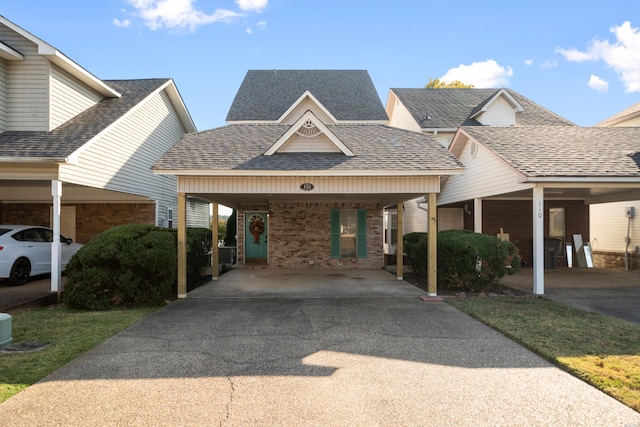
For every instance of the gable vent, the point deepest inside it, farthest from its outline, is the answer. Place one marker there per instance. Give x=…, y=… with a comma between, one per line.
x=308, y=129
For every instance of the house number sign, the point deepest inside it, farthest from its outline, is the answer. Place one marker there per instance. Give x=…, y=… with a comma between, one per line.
x=307, y=186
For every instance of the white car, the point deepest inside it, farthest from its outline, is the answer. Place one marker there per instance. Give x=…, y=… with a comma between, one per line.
x=25, y=251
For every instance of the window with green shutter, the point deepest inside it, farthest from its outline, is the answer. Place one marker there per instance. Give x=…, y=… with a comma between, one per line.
x=348, y=233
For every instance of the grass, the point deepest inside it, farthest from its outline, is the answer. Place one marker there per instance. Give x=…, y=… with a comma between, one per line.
x=601, y=350
x=70, y=332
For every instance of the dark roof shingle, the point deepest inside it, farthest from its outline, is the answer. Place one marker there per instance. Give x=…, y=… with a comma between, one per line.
x=265, y=95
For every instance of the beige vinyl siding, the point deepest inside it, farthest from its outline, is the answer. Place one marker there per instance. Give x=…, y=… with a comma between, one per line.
x=499, y=113
x=306, y=105
x=608, y=226
x=3, y=95
x=27, y=86
x=485, y=175
x=70, y=194
x=399, y=116
x=415, y=216
x=121, y=159
x=322, y=185
x=197, y=213
x=69, y=97
x=316, y=144
x=633, y=122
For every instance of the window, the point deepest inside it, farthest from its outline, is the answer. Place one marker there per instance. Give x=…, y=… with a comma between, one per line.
x=348, y=233
x=556, y=226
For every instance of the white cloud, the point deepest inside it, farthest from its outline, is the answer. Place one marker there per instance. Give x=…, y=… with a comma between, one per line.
x=122, y=24
x=486, y=74
x=623, y=56
x=249, y=31
x=261, y=24
x=528, y=61
x=177, y=14
x=252, y=5
x=548, y=64
x=597, y=84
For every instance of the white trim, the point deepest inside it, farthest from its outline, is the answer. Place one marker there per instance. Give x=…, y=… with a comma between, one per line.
x=339, y=122
x=307, y=173
x=299, y=101
x=9, y=53
x=501, y=93
x=321, y=126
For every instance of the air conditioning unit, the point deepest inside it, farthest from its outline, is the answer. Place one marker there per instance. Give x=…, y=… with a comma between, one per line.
x=5, y=330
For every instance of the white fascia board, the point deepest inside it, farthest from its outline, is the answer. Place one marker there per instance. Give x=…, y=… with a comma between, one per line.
x=7, y=159
x=350, y=173
x=9, y=53
x=436, y=130
x=586, y=181
x=294, y=128
x=306, y=94
x=62, y=61
x=501, y=93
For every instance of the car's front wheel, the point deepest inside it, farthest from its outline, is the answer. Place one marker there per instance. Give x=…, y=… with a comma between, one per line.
x=20, y=272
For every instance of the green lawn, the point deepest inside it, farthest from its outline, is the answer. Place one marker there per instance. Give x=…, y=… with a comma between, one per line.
x=601, y=350
x=70, y=333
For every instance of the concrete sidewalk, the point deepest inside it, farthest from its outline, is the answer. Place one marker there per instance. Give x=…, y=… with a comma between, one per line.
x=311, y=361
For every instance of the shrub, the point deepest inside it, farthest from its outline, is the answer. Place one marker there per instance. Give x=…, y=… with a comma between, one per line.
x=415, y=247
x=132, y=265
x=469, y=261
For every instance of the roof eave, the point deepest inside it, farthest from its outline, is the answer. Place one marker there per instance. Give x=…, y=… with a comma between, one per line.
x=353, y=172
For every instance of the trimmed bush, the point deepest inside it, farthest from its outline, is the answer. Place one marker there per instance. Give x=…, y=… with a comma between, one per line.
x=467, y=261
x=132, y=265
x=472, y=262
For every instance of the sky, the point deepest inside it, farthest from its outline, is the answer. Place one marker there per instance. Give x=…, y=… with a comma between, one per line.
x=580, y=60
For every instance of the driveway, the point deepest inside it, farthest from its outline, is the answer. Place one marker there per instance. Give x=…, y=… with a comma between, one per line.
x=289, y=361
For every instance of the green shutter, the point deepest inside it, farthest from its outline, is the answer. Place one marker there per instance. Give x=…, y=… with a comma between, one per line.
x=335, y=233
x=361, y=243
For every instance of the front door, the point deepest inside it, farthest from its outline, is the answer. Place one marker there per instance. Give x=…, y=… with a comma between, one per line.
x=256, y=232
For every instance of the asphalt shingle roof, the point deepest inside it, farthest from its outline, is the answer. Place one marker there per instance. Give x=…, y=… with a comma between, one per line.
x=241, y=147
x=450, y=108
x=265, y=95
x=67, y=138
x=564, y=151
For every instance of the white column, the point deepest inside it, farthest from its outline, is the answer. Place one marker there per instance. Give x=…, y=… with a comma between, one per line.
x=399, y=242
x=432, y=239
x=477, y=215
x=538, y=240
x=56, y=249
x=215, y=251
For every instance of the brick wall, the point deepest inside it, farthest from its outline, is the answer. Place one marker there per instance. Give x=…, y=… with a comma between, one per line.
x=615, y=260
x=91, y=218
x=300, y=236
x=516, y=218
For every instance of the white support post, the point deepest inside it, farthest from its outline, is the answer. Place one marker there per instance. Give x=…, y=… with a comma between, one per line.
x=432, y=239
x=477, y=215
x=400, y=242
x=538, y=240
x=56, y=249
x=182, y=245
x=215, y=251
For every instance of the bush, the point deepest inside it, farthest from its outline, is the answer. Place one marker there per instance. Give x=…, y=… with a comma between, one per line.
x=415, y=247
x=132, y=265
x=472, y=262
x=467, y=261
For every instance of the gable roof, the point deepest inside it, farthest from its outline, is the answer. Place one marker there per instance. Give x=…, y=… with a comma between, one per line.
x=450, y=108
x=626, y=114
x=563, y=152
x=59, y=144
x=238, y=149
x=265, y=95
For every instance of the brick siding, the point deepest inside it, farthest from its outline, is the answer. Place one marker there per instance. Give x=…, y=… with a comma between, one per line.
x=300, y=236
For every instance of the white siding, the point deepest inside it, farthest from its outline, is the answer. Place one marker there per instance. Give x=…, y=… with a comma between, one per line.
x=197, y=213
x=445, y=138
x=3, y=95
x=69, y=97
x=27, y=86
x=499, y=113
x=415, y=216
x=121, y=159
x=608, y=226
x=485, y=175
x=302, y=144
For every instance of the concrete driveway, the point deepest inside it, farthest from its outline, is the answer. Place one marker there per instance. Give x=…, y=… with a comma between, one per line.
x=614, y=293
x=288, y=361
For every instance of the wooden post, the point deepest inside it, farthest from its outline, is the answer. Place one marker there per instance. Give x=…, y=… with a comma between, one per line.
x=400, y=241
x=432, y=259
x=215, y=256
x=182, y=245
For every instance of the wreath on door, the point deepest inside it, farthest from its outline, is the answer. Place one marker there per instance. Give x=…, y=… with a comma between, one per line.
x=256, y=227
